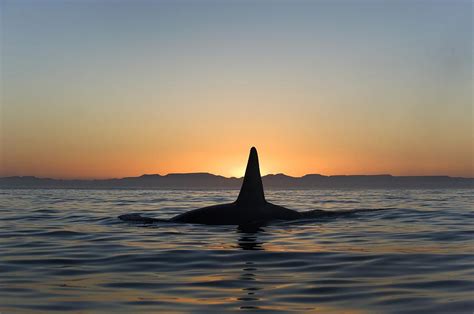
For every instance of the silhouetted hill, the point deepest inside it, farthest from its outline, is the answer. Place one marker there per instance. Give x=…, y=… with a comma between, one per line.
x=211, y=181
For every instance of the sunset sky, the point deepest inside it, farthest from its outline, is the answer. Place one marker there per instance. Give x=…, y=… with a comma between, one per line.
x=100, y=89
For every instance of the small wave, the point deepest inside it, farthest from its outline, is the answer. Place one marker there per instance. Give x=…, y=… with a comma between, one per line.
x=60, y=233
x=318, y=213
x=336, y=202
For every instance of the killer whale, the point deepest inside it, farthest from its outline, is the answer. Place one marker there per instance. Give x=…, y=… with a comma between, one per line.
x=249, y=208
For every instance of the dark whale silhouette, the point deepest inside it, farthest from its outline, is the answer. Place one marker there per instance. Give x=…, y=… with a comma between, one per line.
x=250, y=208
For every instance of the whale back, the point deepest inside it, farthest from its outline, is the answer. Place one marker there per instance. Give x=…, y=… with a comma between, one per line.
x=251, y=192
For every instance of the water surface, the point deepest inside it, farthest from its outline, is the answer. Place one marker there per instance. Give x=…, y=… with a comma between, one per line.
x=65, y=251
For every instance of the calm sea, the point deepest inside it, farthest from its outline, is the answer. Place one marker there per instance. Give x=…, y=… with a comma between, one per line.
x=65, y=251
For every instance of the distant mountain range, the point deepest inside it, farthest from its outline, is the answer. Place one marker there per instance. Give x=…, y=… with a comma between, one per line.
x=211, y=181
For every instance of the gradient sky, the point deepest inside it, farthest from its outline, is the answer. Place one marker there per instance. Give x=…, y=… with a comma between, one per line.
x=98, y=89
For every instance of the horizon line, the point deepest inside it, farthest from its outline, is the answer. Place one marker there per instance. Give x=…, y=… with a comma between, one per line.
x=231, y=177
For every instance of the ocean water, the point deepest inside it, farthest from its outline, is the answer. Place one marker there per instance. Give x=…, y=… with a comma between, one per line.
x=66, y=251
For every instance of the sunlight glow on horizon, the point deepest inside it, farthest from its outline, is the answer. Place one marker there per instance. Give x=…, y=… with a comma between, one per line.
x=95, y=90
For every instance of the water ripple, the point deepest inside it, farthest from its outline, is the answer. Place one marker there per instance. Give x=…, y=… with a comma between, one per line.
x=401, y=251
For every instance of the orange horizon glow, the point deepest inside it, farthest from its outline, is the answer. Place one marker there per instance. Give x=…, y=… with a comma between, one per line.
x=317, y=87
x=227, y=164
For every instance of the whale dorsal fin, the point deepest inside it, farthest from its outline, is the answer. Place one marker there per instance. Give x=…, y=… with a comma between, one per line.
x=251, y=191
